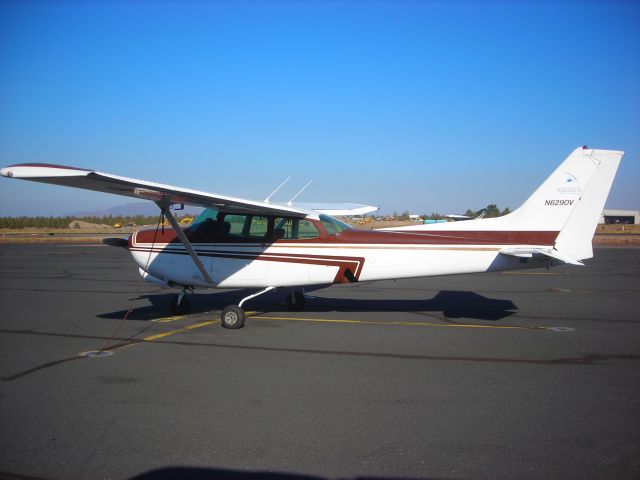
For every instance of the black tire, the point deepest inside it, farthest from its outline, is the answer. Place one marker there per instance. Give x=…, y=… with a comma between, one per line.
x=296, y=301
x=232, y=317
x=181, y=309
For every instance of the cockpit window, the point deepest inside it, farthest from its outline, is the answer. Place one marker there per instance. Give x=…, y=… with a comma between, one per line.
x=288, y=228
x=212, y=225
x=332, y=225
x=211, y=213
x=205, y=222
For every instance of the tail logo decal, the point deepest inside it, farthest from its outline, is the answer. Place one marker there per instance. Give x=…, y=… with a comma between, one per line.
x=569, y=185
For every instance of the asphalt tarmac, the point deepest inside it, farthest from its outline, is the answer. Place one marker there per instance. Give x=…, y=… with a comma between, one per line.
x=495, y=376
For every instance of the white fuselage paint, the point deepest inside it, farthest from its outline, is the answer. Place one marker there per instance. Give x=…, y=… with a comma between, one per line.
x=299, y=265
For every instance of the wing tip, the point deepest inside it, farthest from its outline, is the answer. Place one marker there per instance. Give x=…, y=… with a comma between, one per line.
x=31, y=170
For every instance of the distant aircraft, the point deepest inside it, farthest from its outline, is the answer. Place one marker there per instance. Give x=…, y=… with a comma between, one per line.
x=456, y=217
x=258, y=244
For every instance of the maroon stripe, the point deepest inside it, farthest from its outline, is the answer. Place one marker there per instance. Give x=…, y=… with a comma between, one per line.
x=353, y=264
x=441, y=237
x=450, y=237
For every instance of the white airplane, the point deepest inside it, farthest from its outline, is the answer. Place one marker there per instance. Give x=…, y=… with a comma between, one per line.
x=239, y=243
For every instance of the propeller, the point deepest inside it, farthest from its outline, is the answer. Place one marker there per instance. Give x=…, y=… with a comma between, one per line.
x=116, y=242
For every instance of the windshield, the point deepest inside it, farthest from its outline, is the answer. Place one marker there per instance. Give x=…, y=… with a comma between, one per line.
x=332, y=225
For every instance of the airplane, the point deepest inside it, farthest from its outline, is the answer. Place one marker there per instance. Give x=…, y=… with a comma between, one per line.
x=240, y=243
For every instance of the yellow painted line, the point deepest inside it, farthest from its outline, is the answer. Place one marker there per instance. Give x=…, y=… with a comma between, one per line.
x=179, y=330
x=409, y=324
x=168, y=319
x=201, y=324
x=158, y=336
x=530, y=273
x=161, y=335
x=179, y=317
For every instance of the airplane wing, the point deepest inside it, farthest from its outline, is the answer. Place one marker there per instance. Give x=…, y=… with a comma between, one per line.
x=338, y=209
x=131, y=187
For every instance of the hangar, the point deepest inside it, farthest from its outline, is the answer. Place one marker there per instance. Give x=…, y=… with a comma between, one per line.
x=625, y=217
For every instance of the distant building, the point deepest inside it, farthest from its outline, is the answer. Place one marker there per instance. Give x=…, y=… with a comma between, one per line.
x=414, y=218
x=625, y=217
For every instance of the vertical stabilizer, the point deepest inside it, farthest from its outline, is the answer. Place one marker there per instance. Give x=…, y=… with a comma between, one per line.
x=551, y=205
x=570, y=201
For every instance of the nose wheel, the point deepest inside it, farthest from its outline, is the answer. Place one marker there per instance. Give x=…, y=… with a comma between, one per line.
x=180, y=304
x=295, y=301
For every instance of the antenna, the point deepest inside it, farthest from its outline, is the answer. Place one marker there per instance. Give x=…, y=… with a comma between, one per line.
x=266, y=200
x=290, y=202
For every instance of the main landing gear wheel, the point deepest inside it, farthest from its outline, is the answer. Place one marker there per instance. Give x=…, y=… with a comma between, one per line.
x=232, y=317
x=296, y=301
x=181, y=308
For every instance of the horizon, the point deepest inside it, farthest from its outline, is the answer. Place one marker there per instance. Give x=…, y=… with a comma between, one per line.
x=148, y=208
x=418, y=106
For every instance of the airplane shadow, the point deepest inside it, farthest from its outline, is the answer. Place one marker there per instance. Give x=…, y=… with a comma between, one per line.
x=452, y=304
x=199, y=473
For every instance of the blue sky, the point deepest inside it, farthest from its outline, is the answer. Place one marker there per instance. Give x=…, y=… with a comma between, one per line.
x=420, y=106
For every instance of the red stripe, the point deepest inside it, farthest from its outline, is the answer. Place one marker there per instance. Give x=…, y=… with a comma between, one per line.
x=441, y=237
x=354, y=264
x=451, y=237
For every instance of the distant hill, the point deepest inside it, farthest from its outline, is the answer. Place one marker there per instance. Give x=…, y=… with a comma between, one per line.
x=131, y=209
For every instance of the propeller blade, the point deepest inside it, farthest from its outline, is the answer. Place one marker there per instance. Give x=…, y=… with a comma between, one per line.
x=116, y=242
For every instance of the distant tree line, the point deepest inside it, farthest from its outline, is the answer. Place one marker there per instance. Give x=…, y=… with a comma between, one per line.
x=65, y=222
x=489, y=211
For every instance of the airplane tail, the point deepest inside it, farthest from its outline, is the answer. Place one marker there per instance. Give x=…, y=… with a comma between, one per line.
x=570, y=201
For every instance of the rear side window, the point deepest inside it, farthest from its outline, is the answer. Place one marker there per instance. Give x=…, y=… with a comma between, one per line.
x=332, y=225
x=306, y=229
x=259, y=226
x=294, y=229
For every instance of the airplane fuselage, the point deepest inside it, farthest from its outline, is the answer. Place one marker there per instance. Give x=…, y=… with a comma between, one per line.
x=344, y=257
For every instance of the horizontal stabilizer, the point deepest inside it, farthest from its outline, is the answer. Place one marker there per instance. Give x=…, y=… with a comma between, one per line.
x=547, y=252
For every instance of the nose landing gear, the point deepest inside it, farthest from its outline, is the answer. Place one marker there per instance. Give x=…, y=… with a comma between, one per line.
x=296, y=301
x=180, y=304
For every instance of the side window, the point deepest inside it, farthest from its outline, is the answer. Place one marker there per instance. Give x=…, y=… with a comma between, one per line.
x=332, y=225
x=294, y=229
x=247, y=226
x=306, y=229
x=236, y=224
x=259, y=226
x=283, y=228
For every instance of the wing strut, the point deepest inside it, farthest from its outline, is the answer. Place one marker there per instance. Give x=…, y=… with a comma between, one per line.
x=166, y=211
